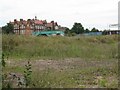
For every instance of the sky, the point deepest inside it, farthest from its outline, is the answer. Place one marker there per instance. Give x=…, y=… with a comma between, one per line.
x=90, y=13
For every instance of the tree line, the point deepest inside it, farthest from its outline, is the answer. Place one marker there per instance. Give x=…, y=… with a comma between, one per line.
x=7, y=29
x=79, y=29
x=76, y=29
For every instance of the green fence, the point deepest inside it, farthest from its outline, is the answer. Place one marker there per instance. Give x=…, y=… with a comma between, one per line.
x=48, y=33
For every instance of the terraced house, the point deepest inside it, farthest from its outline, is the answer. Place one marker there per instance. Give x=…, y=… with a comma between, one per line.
x=29, y=26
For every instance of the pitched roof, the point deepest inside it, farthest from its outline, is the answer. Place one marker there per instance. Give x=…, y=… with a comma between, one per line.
x=38, y=22
x=49, y=24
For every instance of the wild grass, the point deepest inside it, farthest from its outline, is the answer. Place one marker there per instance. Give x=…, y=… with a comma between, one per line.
x=64, y=62
x=80, y=74
x=22, y=47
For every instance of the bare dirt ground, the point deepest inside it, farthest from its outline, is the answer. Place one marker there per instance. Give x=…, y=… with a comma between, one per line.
x=69, y=65
x=63, y=64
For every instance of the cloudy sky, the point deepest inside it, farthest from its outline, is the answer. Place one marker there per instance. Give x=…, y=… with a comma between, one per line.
x=91, y=13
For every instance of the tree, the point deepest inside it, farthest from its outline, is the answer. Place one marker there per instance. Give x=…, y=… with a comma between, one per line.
x=94, y=30
x=67, y=30
x=104, y=32
x=77, y=28
x=8, y=28
x=87, y=30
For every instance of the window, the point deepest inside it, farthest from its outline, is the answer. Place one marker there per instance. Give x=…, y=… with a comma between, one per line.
x=16, y=26
x=23, y=31
x=36, y=26
x=31, y=27
x=40, y=27
x=22, y=26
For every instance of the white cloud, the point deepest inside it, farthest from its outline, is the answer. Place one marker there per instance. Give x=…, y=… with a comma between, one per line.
x=91, y=13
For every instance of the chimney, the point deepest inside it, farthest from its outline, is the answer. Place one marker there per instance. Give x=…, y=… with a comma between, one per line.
x=53, y=27
x=21, y=20
x=15, y=20
x=29, y=20
x=45, y=22
x=35, y=17
x=56, y=24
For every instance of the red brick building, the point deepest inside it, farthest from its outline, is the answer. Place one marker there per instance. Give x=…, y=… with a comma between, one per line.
x=34, y=25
